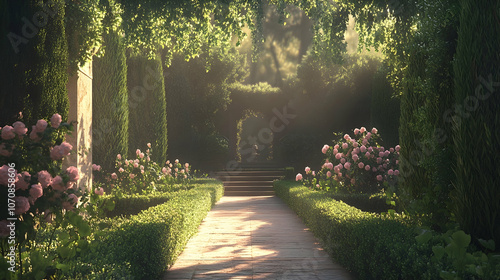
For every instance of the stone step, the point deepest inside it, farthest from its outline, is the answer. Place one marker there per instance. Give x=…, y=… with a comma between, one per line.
x=249, y=173
x=229, y=178
x=248, y=183
x=248, y=188
x=249, y=193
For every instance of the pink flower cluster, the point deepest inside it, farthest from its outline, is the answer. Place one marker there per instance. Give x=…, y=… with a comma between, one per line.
x=55, y=191
x=358, y=164
x=142, y=174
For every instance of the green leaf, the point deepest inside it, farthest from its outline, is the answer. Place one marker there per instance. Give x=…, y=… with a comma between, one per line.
x=424, y=237
x=490, y=244
x=438, y=251
x=64, y=251
x=63, y=267
x=461, y=239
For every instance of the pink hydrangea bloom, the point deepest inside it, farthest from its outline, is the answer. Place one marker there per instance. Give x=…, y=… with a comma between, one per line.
x=96, y=167
x=356, y=131
x=308, y=169
x=132, y=176
x=355, y=157
x=99, y=191
x=325, y=149
x=176, y=161
x=119, y=157
x=23, y=181
x=55, y=120
x=379, y=160
x=347, y=137
x=114, y=176
x=73, y=173
x=379, y=178
x=361, y=165
x=362, y=148
x=367, y=167
x=44, y=178
x=362, y=129
x=374, y=130
x=367, y=155
x=365, y=141
x=355, y=144
x=20, y=128
x=298, y=177
x=390, y=172
x=329, y=165
x=36, y=191
x=41, y=125
x=336, y=146
x=22, y=205
x=335, y=151
x=345, y=146
x=397, y=148
x=8, y=132
x=347, y=165
x=342, y=160
x=374, y=169
x=328, y=174
x=137, y=152
x=391, y=150
x=164, y=170
x=58, y=184
x=121, y=170
x=141, y=155
x=338, y=155
x=396, y=172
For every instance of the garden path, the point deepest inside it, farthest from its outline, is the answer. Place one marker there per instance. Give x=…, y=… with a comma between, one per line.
x=254, y=237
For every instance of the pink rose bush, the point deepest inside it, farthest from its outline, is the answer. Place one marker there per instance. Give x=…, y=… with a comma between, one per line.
x=31, y=172
x=357, y=164
x=142, y=175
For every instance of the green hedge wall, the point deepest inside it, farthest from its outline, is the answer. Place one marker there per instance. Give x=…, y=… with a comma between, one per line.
x=147, y=106
x=33, y=72
x=476, y=136
x=110, y=110
x=364, y=243
x=146, y=244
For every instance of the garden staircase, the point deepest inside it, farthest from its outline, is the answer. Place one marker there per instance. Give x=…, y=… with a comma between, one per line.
x=250, y=180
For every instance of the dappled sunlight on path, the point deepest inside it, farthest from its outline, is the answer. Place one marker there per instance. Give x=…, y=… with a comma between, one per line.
x=254, y=238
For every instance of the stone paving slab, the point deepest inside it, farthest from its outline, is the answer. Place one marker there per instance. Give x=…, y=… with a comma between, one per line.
x=254, y=237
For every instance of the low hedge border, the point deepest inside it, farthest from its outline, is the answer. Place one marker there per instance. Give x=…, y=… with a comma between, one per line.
x=145, y=245
x=366, y=202
x=370, y=246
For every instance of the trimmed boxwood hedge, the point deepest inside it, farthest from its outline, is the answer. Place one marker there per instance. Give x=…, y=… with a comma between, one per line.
x=366, y=202
x=145, y=245
x=370, y=246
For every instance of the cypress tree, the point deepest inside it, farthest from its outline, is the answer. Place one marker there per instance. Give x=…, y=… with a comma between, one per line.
x=476, y=122
x=110, y=103
x=147, y=106
x=34, y=66
x=47, y=76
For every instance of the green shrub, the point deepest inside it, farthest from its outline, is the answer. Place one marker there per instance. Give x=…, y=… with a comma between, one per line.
x=110, y=110
x=147, y=106
x=148, y=243
x=384, y=247
x=133, y=204
x=370, y=246
x=369, y=203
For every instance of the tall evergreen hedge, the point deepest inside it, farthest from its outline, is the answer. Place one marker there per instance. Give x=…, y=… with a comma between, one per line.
x=385, y=109
x=147, y=106
x=110, y=112
x=476, y=125
x=34, y=75
x=427, y=156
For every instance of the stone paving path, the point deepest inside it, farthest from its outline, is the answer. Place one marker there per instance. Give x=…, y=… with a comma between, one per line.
x=254, y=237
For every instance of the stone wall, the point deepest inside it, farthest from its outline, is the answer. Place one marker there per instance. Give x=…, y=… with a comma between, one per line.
x=80, y=113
